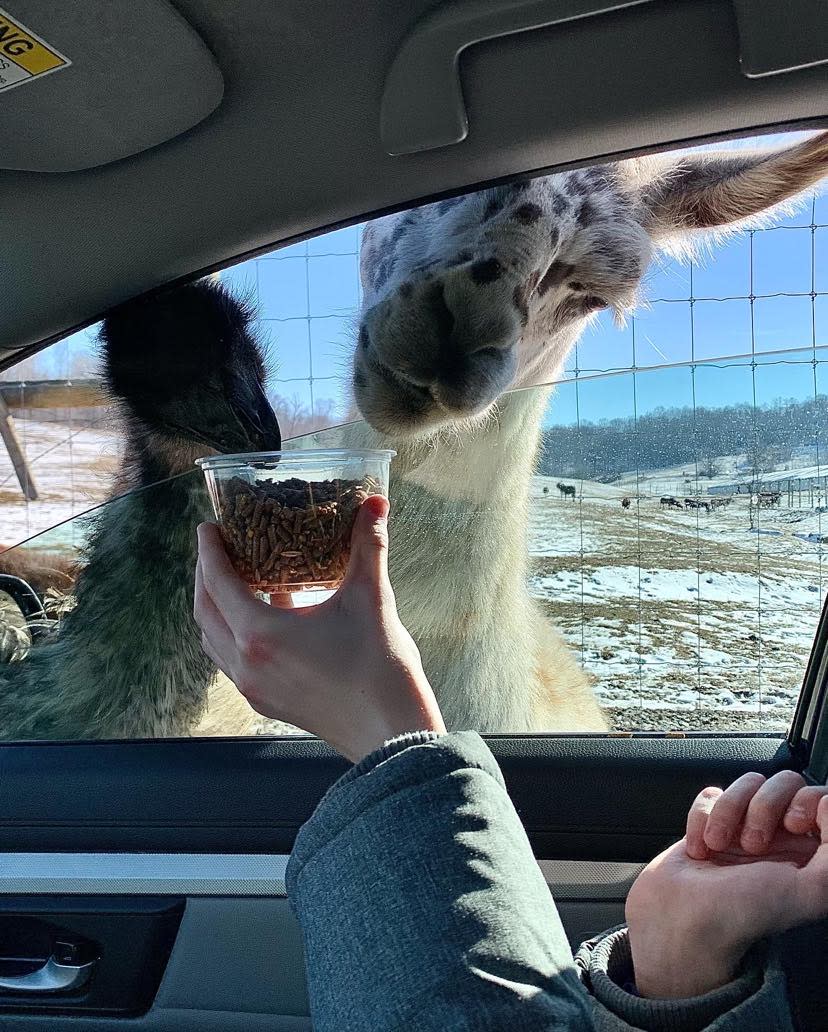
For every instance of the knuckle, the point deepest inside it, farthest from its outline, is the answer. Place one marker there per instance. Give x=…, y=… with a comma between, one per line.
x=761, y=812
x=726, y=809
x=377, y=538
x=718, y=826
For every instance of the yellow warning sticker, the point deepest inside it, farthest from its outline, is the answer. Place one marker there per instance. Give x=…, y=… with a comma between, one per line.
x=24, y=56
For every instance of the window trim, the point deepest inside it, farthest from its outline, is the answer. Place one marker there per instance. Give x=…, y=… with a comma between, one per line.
x=808, y=737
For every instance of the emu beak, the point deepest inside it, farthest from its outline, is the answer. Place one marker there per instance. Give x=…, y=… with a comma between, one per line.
x=260, y=423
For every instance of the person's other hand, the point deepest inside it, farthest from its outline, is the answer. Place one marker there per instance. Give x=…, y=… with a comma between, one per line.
x=346, y=669
x=754, y=862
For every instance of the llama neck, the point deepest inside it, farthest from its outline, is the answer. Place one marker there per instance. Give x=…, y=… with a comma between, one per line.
x=459, y=514
x=458, y=565
x=468, y=491
x=128, y=660
x=488, y=465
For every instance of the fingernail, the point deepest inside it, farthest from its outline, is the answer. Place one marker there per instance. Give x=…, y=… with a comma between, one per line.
x=796, y=814
x=716, y=838
x=381, y=508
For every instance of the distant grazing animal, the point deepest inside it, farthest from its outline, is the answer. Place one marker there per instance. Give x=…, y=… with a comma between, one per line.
x=768, y=499
x=567, y=490
x=719, y=502
x=668, y=502
x=625, y=503
x=697, y=503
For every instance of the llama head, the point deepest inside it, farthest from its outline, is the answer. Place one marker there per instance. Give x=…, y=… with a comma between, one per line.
x=470, y=297
x=189, y=374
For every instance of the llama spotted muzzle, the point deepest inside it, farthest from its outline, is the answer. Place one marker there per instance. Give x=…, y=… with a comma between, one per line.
x=431, y=353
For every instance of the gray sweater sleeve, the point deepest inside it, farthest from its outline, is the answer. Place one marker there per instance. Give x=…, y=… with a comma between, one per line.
x=422, y=907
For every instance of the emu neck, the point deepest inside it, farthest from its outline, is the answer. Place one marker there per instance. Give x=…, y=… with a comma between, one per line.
x=128, y=661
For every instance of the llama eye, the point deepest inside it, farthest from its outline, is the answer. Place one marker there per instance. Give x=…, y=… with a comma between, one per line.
x=590, y=303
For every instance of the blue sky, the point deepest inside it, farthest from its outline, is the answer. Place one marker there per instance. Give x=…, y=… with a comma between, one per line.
x=308, y=295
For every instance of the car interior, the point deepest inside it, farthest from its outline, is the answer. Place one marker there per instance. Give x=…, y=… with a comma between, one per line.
x=153, y=144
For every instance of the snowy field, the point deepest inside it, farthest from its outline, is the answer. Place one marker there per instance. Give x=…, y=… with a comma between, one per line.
x=72, y=468
x=685, y=619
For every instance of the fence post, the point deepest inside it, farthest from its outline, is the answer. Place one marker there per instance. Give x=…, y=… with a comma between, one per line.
x=21, y=466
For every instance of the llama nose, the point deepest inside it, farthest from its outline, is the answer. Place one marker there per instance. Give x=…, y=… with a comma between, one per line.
x=441, y=340
x=472, y=381
x=477, y=357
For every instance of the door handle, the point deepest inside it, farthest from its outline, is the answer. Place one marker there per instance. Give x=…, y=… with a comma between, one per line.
x=52, y=977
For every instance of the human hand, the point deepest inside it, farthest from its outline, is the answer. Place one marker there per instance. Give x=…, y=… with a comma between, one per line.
x=754, y=862
x=346, y=669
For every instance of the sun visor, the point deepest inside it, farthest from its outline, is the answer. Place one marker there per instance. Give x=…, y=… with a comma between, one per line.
x=89, y=82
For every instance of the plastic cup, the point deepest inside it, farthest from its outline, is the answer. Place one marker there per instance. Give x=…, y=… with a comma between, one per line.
x=286, y=517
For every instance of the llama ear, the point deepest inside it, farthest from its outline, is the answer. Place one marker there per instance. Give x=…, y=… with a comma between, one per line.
x=715, y=190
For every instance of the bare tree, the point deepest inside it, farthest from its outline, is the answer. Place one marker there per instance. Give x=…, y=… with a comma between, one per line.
x=296, y=418
x=708, y=467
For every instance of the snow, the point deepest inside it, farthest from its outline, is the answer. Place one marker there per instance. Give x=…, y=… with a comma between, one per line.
x=643, y=583
x=72, y=470
x=675, y=610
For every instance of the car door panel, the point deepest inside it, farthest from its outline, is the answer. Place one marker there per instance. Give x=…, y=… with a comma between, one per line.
x=186, y=822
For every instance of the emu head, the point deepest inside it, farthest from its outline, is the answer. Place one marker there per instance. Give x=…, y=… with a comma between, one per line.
x=469, y=297
x=189, y=373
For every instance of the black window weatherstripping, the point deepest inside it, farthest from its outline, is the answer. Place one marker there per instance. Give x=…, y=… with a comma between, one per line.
x=809, y=730
x=580, y=796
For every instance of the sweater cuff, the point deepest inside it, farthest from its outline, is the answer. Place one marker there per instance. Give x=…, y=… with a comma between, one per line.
x=610, y=968
x=387, y=750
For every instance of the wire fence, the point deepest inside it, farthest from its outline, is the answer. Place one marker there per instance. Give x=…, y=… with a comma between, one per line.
x=744, y=652
x=746, y=327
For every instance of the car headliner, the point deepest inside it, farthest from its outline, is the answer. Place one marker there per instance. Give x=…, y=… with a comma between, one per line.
x=294, y=146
